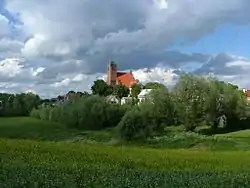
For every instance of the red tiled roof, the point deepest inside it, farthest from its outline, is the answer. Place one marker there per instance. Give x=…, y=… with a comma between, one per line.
x=248, y=93
x=126, y=78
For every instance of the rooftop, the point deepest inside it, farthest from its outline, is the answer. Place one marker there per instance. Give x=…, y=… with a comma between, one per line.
x=126, y=78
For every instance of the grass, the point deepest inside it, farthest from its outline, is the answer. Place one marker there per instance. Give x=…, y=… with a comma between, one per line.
x=28, y=128
x=43, y=154
x=33, y=129
x=35, y=164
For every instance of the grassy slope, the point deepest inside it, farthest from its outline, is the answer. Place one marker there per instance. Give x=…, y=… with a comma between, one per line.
x=45, y=163
x=175, y=138
x=33, y=129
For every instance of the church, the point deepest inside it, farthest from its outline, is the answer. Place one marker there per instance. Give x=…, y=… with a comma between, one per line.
x=114, y=77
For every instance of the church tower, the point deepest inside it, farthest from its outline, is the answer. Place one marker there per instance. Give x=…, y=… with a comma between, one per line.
x=112, y=74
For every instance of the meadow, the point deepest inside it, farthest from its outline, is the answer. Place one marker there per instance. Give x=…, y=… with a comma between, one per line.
x=37, y=153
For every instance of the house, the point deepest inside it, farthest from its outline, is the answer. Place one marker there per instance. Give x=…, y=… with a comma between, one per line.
x=247, y=92
x=125, y=100
x=114, y=77
x=112, y=99
x=144, y=94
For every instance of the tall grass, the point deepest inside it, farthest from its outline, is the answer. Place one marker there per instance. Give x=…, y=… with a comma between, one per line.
x=36, y=164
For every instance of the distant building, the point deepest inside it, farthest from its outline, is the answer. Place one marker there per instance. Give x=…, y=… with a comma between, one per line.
x=114, y=77
x=144, y=94
x=125, y=100
x=247, y=92
x=113, y=99
x=70, y=96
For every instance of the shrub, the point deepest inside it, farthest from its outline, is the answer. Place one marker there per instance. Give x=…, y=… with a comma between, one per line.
x=114, y=114
x=139, y=123
x=44, y=113
x=35, y=113
x=163, y=107
x=55, y=114
x=91, y=113
x=95, y=113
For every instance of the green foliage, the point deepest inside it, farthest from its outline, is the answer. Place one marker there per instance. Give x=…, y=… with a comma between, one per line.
x=214, y=103
x=190, y=93
x=136, y=89
x=83, y=94
x=202, y=101
x=154, y=85
x=163, y=106
x=195, y=101
x=34, y=129
x=100, y=87
x=120, y=91
x=91, y=113
x=225, y=100
x=235, y=106
x=139, y=123
x=18, y=104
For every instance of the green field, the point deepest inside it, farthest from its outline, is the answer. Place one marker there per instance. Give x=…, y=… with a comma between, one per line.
x=42, y=154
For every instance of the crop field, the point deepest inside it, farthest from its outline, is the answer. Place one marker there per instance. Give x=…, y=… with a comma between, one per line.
x=45, y=162
x=37, y=164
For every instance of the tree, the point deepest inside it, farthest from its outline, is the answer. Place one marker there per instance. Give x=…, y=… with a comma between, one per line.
x=120, y=91
x=100, y=87
x=225, y=100
x=137, y=124
x=163, y=107
x=60, y=97
x=17, y=106
x=29, y=101
x=136, y=89
x=71, y=92
x=154, y=85
x=190, y=93
x=82, y=94
x=234, y=106
x=214, y=102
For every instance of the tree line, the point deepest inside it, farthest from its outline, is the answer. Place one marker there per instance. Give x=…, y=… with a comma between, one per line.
x=193, y=102
x=18, y=104
x=21, y=104
x=101, y=88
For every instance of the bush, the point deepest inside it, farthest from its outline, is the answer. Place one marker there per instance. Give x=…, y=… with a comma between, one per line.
x=164, y=107
x=139, y=123
x=95, y=113
x=44, y=113
x=55, y=114
x=35, y=113
x=91, y=113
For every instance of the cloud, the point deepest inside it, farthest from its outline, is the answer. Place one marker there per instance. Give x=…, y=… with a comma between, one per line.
x=230, y=68
x=4, y=25
x=10, y=48
x=158, y=74
x=52, y=48
x=10, y=67
x=117, y=29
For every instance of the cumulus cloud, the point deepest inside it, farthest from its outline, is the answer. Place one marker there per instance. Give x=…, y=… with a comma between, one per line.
x=117, y=28
x=157, y=74
x=65, y=47
x=230, y=68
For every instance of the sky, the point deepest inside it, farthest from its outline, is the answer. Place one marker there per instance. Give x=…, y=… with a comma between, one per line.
x=52, y=46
